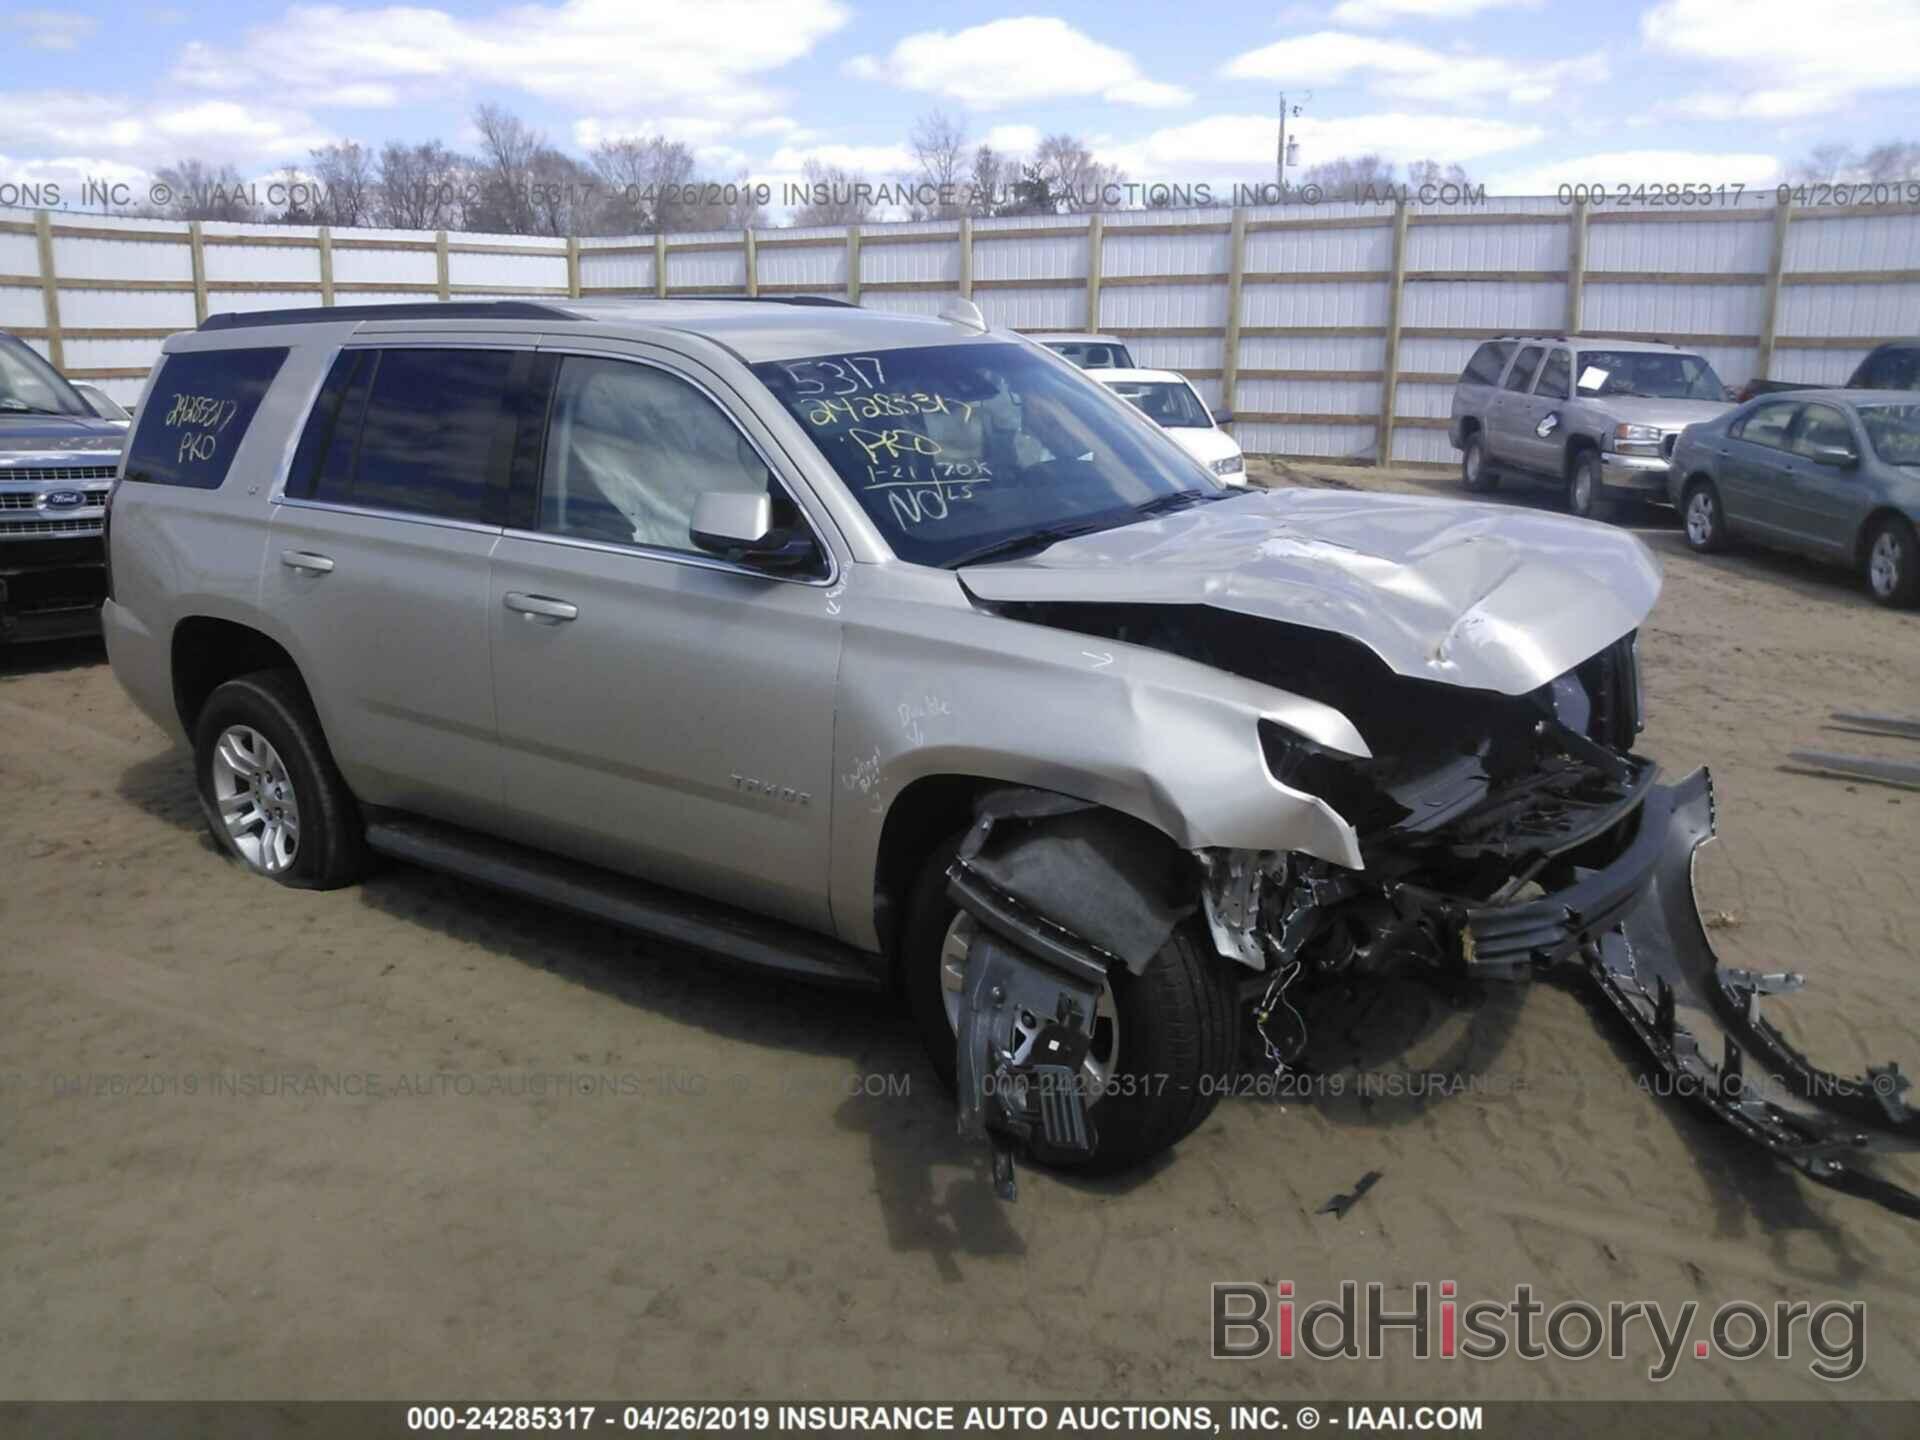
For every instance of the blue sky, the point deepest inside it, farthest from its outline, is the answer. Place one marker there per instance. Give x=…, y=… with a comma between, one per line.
x=1524, y=93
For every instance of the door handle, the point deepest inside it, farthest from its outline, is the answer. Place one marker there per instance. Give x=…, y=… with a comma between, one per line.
x=541, y=607
x=306, y=562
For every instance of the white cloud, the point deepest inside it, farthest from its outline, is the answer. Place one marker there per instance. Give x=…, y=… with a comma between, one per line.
x=78, y=122
x=703, y=57
x=874, y=161
x=1017, y=61
x=1234, y=147
x=53, y=29
x=1635, y=167
x=1388, y=12
x=1013, y=139
x=1796, y=60
x=1408, y=71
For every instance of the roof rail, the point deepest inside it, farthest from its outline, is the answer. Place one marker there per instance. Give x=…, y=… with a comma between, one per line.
x=826, y=300
x=410, y=310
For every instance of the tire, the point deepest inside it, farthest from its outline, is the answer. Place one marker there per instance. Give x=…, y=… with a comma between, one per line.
x=1586, y=491
x=1891, y=563
x=1178, y=1029
x=1702, y=521
x=1476, y=470
x=265, y=721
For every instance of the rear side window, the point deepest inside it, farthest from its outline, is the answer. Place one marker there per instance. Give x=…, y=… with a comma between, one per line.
x=197, y=414
x=423, y=431
x=1556, y=376
x=1487, y=363
x=1522, y=374
x=1767, y=424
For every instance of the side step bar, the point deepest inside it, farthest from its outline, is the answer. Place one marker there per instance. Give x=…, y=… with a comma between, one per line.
x=650, y=910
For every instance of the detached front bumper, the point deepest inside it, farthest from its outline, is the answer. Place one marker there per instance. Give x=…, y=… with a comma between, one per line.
x=1701, y=1023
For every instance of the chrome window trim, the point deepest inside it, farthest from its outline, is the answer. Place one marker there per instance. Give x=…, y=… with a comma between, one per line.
x=697, y=559
x=412, y=517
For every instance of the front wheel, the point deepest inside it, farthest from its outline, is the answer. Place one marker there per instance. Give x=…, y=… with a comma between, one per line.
x=1893, y=564
x=1586, y=493
x=1476, y=471
x=1706, y=526
x=1165, y=1041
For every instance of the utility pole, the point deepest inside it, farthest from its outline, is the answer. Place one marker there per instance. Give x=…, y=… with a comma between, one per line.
x=1281, y=158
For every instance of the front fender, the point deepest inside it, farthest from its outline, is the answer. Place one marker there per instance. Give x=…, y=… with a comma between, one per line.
x=1167, y=741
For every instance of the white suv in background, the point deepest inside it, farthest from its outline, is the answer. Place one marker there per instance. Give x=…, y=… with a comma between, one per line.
x=1175, y=406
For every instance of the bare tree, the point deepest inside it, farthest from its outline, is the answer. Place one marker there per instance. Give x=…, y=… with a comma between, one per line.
x=1892, y=160
x=509, y=156
x=1348, y=179
x=420, y=187
x=202, y=192
x=835, y=196
x=989, y=181
x=1432, y=172
x=1824, y=164
x=1079, y=182
x=342, y=185
x=939, y=145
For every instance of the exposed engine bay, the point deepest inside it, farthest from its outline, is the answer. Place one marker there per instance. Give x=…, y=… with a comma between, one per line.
x=1503, y=836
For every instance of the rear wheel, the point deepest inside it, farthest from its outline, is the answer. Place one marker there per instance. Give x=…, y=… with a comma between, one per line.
x=1706, y=526
x=1586, y=492
x=1893, y=563
x=1476, y=471
x=1164, y=1043
x=272, y=796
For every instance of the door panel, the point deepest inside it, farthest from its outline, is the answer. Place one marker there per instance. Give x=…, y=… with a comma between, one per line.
x=679, y=725
x=661, y=712
x=388, y=615
x=1509, y=429
x=1824, y=501
x=1754, y=476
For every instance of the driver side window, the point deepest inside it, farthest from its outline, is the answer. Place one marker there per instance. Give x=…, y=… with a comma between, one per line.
x=631, y=448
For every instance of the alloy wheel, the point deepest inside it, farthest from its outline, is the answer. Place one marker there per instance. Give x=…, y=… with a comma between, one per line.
x=256, y=797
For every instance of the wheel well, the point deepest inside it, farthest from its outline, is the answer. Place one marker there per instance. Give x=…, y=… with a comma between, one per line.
x=1469, y=426
x=1698, y=477
x=208, y=652
x=921, y=816
x=1577, y=446
x=1871, y=524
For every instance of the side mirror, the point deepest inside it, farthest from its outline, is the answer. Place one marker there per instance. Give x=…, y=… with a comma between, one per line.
x=1223, y=417
x=1839, y=457
x=737, y=525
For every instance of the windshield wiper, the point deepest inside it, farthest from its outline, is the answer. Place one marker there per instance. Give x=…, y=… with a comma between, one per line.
x=1178, y=500
x=1009, y=546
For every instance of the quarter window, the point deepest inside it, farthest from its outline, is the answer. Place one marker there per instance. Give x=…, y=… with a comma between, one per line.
x=1487, y=363
x=1522, y=376
x=197, y=414
x=631, y=448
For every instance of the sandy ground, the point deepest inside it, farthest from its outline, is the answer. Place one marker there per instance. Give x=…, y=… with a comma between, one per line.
x=727, y=1211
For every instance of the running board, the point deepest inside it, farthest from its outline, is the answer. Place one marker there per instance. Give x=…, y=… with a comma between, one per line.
x=650, y=910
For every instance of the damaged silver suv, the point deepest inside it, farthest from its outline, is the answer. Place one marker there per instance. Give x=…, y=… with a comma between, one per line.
x=888, y=650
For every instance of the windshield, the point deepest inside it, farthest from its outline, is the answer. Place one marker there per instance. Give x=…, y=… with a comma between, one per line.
x=1894, y=431
x=1093, y=354
x=1651, y=374
x=955, y=449
x=1164, y=402
x=28, y=383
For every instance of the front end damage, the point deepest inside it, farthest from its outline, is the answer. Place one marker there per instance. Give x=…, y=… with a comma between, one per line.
x=1503, y=836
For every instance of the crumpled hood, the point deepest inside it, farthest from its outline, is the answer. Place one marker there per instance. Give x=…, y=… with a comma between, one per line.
x=51, y=433
x=1482, y=596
